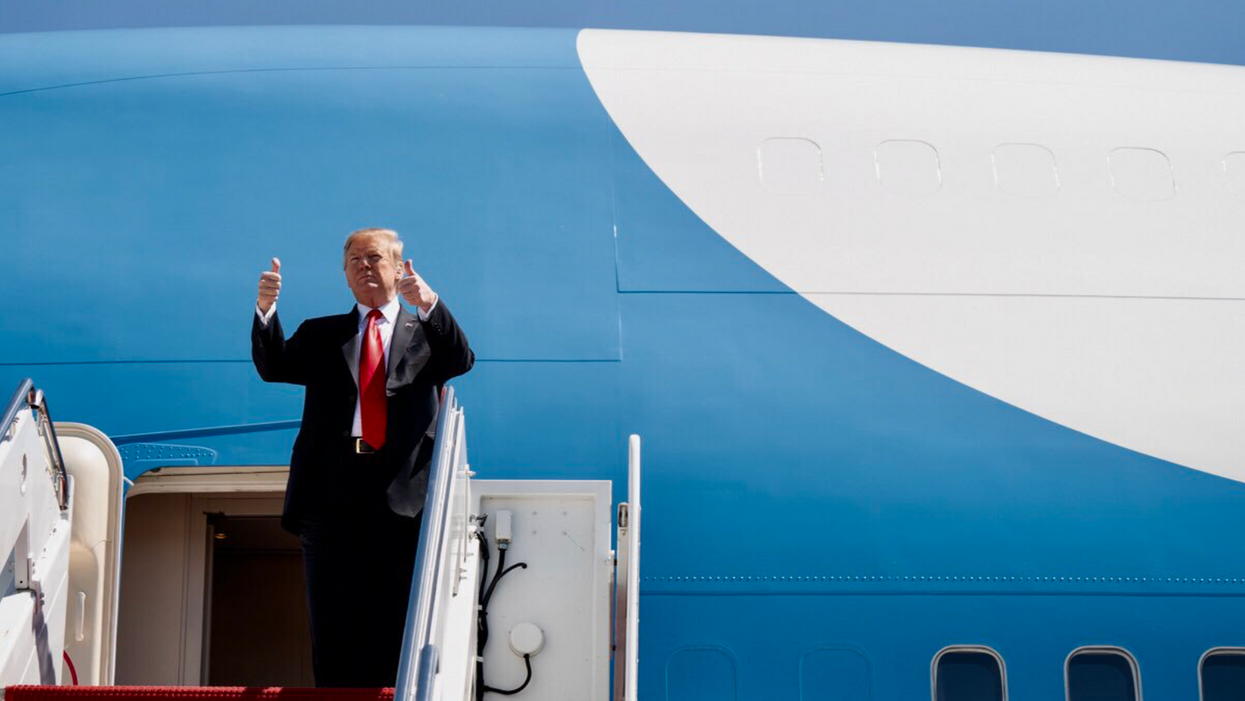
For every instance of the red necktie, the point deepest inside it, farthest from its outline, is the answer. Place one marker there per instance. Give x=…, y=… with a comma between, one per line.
x=372, y=383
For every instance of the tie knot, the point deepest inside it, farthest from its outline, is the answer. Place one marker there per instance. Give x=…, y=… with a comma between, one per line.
x=374, y=315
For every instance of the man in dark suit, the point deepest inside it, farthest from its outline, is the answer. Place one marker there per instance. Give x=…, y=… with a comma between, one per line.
x=359, y=469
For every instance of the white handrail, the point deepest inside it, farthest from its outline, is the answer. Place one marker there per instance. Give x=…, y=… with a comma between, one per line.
x=633, y=571
x=27, y=395
x=627, y=583
x=417, y=665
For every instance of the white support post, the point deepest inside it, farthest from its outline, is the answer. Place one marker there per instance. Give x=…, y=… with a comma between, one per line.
x=627, y=583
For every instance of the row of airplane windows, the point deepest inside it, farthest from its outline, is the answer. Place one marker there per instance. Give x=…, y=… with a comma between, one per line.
x=975, y=673
x=913, y=169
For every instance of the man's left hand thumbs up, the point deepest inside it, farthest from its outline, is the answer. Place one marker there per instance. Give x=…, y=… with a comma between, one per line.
x=414, y=290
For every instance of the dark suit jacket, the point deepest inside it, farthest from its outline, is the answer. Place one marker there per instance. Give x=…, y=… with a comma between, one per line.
x=320, y=356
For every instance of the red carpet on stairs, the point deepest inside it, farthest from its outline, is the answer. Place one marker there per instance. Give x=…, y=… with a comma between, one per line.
x=190, y=693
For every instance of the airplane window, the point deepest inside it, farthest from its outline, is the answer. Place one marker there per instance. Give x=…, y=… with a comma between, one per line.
x=790, y=166
x=1102, y=675
x=1223, y=675
x=1234, y=166
x=1026, y=170
x=969, y=674
x=1142, y=174
x=908, y=168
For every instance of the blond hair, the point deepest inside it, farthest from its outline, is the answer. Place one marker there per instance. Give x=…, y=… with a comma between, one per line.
x=389, y=237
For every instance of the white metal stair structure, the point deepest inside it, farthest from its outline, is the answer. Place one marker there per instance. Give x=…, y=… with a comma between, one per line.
x=36, y=497
x=540, y=627
x=60, y=548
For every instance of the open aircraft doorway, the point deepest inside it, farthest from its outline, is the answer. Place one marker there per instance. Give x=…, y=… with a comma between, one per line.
x=257, y=628
x=212, y=588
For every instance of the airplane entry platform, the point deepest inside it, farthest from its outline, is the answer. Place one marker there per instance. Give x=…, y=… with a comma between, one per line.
x=519, y=588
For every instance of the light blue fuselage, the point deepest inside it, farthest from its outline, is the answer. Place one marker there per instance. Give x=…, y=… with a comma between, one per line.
x=822, y=515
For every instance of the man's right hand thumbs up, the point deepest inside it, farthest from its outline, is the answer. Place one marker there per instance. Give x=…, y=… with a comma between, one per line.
x=269, y=286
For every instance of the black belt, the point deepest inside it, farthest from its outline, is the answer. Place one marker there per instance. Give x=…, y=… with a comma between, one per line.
x=358, y=446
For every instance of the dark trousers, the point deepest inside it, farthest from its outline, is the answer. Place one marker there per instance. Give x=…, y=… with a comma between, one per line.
x=358, y=563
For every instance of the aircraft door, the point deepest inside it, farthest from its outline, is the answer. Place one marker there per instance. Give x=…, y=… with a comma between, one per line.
x=95, y=552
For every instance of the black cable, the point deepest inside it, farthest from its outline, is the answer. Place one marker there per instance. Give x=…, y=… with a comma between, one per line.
x=482, y=630
x=481, y=625
x=501, y=573
x=483, y=558
x=527, y=660
x=501, y=565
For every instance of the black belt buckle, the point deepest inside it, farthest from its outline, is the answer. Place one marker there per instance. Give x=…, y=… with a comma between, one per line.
x=362, y=448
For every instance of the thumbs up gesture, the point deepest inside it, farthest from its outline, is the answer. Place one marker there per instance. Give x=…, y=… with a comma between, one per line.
x=269, y=286
x=414, y=290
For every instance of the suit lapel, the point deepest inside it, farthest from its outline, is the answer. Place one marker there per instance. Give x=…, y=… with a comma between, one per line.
x=408, y=350
x=350, y=349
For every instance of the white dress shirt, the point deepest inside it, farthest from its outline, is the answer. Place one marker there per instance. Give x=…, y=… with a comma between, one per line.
x=389, y=317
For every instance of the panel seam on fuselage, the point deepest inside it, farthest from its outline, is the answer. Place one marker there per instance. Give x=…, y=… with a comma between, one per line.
x=281, y=70
x=1016, y=295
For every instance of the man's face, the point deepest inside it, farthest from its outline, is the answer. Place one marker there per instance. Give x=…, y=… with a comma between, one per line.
x=370, y=273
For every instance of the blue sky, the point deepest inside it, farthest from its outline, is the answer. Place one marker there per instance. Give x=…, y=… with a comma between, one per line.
x=1190, y=30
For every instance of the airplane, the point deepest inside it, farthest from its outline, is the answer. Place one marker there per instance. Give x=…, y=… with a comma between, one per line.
x=934, y=351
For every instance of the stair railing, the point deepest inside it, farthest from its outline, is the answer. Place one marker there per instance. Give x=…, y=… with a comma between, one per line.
x=418, y=664
x=26, y=395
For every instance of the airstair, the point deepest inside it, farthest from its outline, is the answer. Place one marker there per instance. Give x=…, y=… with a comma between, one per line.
x=518, y=590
